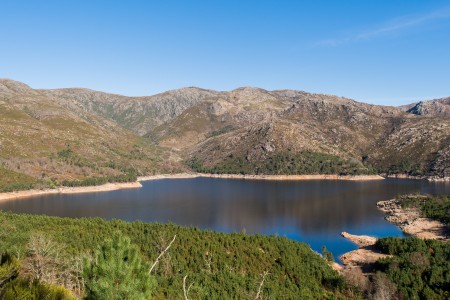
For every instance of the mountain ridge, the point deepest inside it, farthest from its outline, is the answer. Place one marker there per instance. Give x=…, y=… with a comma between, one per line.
x=245, y=130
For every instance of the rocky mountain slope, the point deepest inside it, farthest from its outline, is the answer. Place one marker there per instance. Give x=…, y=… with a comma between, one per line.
x=437, y=107
x=247, y=130
x=50, y=142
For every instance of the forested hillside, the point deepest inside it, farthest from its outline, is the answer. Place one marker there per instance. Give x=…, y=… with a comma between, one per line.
x=218, y=266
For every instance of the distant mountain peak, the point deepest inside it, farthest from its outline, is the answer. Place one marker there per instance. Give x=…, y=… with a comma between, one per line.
x=9, y=85
x=440, y=107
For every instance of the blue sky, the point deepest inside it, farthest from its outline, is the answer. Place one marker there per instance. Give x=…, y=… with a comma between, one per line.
x=381, y=52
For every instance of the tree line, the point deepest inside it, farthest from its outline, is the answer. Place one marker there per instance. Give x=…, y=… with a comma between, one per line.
x=286, y=163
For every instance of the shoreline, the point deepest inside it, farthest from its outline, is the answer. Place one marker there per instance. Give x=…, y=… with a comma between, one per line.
x=428, y=178
x=410, y=221
x=70, y=190
x=263, y=177
x=131, y=185
x=364, y=256
x=407, y=219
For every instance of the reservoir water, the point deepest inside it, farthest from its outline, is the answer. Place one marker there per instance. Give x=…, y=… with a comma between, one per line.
x=315, y=211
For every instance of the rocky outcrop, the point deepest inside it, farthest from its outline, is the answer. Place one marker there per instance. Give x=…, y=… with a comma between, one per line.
x=437, y=107
x=410, y=221
x=361, y=257
x=360, y=240
x=365, y=255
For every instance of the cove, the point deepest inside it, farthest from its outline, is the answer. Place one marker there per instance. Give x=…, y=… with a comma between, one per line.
x=314, y=211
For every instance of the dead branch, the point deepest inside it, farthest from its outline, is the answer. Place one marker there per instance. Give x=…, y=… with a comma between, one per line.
x=186, y=291
x=261, y=285
x=161, y=254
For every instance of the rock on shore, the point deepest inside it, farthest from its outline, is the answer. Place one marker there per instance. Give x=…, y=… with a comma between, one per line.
x=366, y=254
x=360, y=240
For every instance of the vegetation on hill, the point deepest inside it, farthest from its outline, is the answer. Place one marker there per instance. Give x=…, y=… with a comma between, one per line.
x=84, y=137
x=417, y=269
x=217, y=265
x=433, y=207
x=420, y=269
x=13, y=181
x=305, y=162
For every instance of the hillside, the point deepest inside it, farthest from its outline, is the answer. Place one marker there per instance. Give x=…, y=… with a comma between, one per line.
x=240, y=130
x=431, y=107
x=51, y=143
x=217, y=265
x=70, y=134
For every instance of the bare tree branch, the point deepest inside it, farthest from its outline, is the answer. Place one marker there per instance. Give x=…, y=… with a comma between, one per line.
x=261, y=285
x=186, y=291
x=161, y=254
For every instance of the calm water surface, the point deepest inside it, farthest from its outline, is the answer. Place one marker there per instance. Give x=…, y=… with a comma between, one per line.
x=315, y=212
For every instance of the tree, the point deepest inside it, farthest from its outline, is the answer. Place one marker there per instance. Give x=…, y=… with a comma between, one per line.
x=327, y=254
x=118, y=272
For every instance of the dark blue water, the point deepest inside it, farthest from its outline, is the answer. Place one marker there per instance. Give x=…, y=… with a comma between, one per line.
x=315, y=212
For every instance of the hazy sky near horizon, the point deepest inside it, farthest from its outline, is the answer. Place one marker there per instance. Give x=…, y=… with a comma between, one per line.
x=381, y=52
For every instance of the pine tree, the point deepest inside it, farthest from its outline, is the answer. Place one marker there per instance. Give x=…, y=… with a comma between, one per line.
x=327, y=254
x=118, y=272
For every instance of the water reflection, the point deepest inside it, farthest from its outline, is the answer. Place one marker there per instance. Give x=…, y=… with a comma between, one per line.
x=311, y=211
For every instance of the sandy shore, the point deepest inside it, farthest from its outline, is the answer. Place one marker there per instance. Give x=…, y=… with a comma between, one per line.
x=70, y=190
x=264, y=177
x=410, y=221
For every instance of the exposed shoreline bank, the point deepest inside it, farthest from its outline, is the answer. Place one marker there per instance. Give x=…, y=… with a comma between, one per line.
x=407, y=219
x=429, y=178
x=264, y=177
x=128, y=185
x=366, y=253
x=410, y=221
x=71, y=190
x=116, y=186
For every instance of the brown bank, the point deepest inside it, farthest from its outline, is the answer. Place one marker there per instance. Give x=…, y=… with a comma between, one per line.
x=365, y=255
x=70, y=190
x=409, y=221
x=128, y=185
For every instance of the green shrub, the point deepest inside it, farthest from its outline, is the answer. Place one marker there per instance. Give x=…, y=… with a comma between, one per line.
x=12, y=287
x=419, y=268
x=118, y=272
x=21, y=289
x=433, y=207
x=92, y=181
x=327, y=254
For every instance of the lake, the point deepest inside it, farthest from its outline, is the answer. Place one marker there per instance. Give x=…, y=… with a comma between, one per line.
x=315, y=211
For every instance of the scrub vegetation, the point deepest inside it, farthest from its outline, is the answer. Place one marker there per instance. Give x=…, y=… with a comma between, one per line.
x=436, y=208
x=87, y=254
x=286, y=164
x=420, y=269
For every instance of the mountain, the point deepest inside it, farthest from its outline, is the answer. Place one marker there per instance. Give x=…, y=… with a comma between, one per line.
x=436, y=107
x=75, y=133
x=48, y=141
